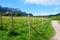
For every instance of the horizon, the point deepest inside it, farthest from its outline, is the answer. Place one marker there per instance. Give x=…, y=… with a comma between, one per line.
x=36, y=7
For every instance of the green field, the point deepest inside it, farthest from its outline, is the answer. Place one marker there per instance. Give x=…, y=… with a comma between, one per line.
x=42, y=29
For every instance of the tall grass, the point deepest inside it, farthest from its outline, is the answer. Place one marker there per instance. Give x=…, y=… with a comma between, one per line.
x=42, y=29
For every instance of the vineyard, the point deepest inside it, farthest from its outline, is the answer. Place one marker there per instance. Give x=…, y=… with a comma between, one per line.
x=40, y=29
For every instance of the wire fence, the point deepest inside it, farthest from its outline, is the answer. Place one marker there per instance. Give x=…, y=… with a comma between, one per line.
x=29, y=26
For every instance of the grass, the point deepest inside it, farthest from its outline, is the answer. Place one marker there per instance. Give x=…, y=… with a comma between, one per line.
x=43, y=26
x=59, y=21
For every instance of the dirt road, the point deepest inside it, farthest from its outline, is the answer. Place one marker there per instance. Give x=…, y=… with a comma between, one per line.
x=56, y=26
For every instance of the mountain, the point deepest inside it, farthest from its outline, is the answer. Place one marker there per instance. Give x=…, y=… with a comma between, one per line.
x=58, y=14
x=13, y=10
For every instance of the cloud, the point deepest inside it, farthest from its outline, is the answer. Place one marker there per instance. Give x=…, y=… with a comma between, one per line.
x=43, y=2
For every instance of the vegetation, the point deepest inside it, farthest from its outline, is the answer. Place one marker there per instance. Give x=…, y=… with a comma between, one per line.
x=41, y=29
x=54, y=17
x=59, y=21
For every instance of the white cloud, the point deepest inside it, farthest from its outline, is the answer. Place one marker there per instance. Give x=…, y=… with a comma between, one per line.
x=43, y=2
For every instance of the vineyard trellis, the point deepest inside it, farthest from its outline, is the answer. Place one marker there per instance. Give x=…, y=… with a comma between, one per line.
x=29, y=26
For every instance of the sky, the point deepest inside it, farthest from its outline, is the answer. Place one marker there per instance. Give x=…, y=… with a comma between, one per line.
x=36, y=7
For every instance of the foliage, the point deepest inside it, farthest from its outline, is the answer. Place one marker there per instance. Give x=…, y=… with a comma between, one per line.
x=54, y=17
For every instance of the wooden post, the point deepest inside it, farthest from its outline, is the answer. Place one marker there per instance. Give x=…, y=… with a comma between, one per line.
x=42, y=21
x=0, y=20
x=12, y=28
x=29, y=28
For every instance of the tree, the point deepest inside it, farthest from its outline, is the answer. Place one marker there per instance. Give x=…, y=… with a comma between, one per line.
x=17, y=14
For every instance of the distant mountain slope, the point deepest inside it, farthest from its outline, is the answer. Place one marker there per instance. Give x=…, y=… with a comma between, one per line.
x=58, y=14
x=13, y=10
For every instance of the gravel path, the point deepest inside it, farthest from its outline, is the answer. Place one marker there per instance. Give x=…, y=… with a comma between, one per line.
x=56, y=26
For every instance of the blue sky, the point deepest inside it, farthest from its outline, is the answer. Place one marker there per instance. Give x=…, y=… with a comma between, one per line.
x=36, y=7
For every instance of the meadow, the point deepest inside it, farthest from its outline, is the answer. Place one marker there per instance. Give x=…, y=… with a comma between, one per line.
x=41, y=29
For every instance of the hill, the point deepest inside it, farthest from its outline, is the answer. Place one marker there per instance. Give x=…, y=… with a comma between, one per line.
x=58, y=14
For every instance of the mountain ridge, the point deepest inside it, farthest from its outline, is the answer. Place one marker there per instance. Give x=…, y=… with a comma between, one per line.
x=13, y=10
